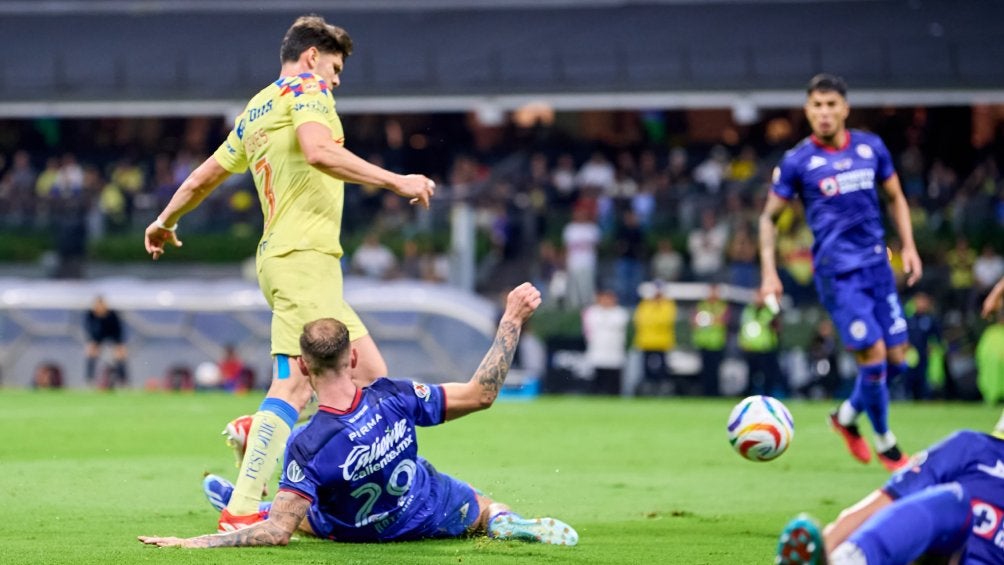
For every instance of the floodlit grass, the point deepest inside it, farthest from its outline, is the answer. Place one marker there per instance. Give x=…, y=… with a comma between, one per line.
x=643, y=481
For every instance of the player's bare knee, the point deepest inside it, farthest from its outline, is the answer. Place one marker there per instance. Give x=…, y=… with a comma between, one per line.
x=875, y=353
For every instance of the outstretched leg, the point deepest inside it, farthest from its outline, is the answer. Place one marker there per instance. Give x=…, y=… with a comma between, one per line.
x=500, y=522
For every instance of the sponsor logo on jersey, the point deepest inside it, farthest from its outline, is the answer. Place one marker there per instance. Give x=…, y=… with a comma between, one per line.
x=995, y=471
x=255, y=113
x=847, y=182
x=365, y=428
x=294, y=473
x=843, y=164
x=366, y=459
x=776, y=175
x=864, y=151
x=422, y=390
x=815, y=162
x=858, y=329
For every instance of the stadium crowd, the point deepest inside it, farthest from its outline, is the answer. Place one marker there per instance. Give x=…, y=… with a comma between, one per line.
x=615, y=200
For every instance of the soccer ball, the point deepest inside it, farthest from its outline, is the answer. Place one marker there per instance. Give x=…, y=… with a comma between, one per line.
x=760, y=428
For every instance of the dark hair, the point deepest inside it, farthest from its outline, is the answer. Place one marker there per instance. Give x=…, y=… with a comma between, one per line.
x=827, y=83
x=324, y=344
x=312, y=31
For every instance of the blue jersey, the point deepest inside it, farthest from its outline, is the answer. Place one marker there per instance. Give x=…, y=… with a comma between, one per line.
x=975, y=461
x=360, y=468
x=839, y=189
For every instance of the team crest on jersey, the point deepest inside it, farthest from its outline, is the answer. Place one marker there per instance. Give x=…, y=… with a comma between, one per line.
x=864, y=151
x=986, y=518
x=829, y=186
x=858, y=329
x=421, y=390
x=776, y=175
x=294, y=473
x=240, y=129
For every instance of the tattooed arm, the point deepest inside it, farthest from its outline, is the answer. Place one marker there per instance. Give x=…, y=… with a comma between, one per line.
x=480, y=392
x=288, y=510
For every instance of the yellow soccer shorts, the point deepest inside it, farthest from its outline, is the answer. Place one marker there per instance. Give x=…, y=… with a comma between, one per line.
x=300, y=287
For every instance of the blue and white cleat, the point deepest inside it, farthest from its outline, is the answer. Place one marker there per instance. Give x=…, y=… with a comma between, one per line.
x=218, y=491
x=801, y=543
x=540, y=530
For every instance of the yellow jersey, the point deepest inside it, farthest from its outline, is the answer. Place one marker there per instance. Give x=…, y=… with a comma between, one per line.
x=302, y=206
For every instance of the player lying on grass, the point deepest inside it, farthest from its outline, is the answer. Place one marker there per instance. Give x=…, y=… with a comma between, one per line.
x=947, y=506
x=354, y=474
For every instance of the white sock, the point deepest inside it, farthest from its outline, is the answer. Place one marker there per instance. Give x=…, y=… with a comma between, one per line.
x=847, y=554
x=846, y=414
x=885, y=441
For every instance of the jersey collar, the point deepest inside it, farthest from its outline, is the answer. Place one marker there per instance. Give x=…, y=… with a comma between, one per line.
x=831, y=149
x=349, y=410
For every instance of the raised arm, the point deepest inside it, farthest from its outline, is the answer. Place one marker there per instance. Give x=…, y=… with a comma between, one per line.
x=199, y=184
x=288, y=510
x=331, y=158
x=767, y=228
x=899, y=213
x=480, y=392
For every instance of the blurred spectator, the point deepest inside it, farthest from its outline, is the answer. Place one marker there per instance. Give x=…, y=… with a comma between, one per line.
x=960, y=260
x=563, y=179
x=235, y=375
x=758, y=340
x=742, y=254
x=711, y=172
x=411, y=260
x=794, y=245
x=17, y=190
x=706, y=245
x=179, y=377
x=924, y=332
x=987, y=270
x=604, y=326
x=597, y=173
x=373, y=259
x=47, y=375
x=824, y=373
x=667, y=263
x=744, y=167
x=709, y=329
x=581, y=237
x=70, y=177
x=990, y=362
x=102, y=324
x=654, y=336
x=632, y=252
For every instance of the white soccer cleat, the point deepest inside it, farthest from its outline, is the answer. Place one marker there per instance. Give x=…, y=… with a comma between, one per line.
x=541, y=530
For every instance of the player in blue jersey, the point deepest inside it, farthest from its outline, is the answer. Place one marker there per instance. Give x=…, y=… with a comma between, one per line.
x=946, y=506
x=838, y=173
x=354, y=474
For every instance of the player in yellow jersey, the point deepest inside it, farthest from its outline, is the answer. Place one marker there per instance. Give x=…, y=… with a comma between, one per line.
x=290, y=136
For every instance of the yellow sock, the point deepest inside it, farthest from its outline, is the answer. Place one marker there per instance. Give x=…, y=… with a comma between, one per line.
x=266, y=445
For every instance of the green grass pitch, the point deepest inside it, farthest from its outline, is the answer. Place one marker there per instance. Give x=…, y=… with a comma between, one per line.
x=643, y=481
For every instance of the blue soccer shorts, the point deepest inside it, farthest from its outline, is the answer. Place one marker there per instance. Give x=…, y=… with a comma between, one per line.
x=864, y=306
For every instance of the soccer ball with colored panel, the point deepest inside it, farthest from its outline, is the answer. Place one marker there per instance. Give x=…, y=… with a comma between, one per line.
x=760, y=428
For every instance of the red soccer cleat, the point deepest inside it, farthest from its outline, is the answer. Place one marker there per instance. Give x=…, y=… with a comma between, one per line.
x=893, y=459
x=230, y=523
x=236, y=434
x=852, y=437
